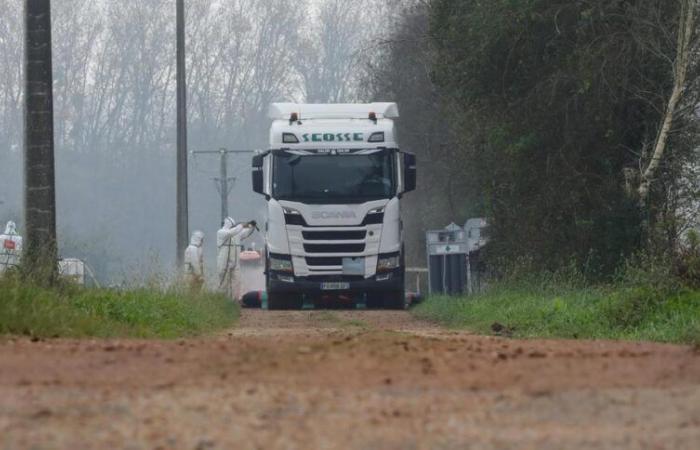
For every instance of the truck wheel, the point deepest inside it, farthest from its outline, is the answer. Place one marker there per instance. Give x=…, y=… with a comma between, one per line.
x=375, y=300
x=395, y=300
x=284, y=301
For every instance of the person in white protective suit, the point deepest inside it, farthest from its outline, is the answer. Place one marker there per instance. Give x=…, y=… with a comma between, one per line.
x=194, y=262
x=10, y=247
x=228, y=243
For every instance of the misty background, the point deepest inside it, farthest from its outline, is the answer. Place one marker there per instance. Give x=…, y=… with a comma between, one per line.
x=114, y=110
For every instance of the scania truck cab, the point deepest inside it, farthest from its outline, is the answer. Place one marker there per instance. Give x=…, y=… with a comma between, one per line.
x=333, y=179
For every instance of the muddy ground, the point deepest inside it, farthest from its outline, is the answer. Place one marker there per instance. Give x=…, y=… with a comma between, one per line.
x=346, y=379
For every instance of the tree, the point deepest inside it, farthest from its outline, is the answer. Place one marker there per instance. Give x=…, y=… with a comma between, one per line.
x=686, y=32
x=400, y=70
x=11, y=106
x=334, y=45
x=560, y=96
x=241, y=59
x=114, y=100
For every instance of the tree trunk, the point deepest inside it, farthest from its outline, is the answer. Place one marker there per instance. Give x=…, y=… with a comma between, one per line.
x=40, y=254
x=686, y=28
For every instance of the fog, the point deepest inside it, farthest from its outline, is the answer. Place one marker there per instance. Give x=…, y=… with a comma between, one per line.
x=114, y=107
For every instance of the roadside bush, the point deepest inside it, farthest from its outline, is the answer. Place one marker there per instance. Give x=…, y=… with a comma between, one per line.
x=631, y=306
x=642, y=286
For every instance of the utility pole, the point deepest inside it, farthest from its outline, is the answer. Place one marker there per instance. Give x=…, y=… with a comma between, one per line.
x=40, y=254
x=182, y=222
x=222, y=183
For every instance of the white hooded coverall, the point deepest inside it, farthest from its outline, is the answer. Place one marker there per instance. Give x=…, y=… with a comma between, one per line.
x=194, y=261
x=10, y=247
x=228, y=243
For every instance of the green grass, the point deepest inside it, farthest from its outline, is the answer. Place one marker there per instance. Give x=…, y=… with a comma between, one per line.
x=630, y=313
x=72, y=311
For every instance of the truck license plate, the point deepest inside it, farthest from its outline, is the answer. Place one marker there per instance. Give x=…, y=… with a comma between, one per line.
x=335, y=286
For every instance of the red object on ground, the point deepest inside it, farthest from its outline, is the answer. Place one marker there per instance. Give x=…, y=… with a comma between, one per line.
x=250, y=255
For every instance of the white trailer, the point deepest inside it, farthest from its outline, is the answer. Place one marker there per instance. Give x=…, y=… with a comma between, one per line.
x=333, y=179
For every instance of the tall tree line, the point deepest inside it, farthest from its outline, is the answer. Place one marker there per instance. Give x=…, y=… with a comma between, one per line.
x=114, y=102
x=546, y=117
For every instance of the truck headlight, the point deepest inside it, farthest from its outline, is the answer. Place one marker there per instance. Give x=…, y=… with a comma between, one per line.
x=293, y=217
x=386, y=263
x=281, y=265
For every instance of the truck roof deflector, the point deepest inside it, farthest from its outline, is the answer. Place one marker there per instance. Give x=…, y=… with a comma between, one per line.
x=283, y=111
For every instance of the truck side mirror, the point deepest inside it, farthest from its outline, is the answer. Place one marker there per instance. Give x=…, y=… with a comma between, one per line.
x=409, y=172
x=258, y=174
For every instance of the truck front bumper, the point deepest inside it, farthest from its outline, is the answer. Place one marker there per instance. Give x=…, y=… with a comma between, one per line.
x=383, y=282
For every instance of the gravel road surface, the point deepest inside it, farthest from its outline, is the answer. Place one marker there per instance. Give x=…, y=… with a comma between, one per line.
x=347, y=379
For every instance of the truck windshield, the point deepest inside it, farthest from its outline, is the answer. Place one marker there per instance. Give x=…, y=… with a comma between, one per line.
x=345, y=178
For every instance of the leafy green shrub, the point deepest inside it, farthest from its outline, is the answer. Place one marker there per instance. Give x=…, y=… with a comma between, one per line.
x=642, y=286
x=631, y=306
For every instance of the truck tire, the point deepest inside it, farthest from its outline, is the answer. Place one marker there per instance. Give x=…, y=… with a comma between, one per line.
x=395, y=300
x=281, y=301
x=375, y=300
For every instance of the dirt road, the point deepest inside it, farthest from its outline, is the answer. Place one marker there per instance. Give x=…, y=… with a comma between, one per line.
x=364, y=380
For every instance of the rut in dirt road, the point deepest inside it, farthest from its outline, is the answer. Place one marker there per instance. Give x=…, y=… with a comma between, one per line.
x=347, y=379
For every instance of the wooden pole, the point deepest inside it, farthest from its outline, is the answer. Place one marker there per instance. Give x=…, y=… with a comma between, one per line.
x=40, y=253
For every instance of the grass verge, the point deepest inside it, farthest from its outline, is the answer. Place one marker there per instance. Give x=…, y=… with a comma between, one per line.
x=639, y=313
x=72, y=311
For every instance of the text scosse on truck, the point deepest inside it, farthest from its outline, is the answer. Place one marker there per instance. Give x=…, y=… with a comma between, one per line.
x=333, y=179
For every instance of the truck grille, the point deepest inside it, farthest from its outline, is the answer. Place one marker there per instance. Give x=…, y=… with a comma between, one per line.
x=334, y=235
x=322, y=278
x=298, y=219
x=323, y=261
x=334, y=248
x=325, y=246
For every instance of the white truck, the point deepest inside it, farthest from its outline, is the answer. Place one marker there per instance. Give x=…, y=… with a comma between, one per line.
x=333, y=179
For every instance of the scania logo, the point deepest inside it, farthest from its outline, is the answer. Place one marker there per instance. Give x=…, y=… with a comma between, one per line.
x=333, y=215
